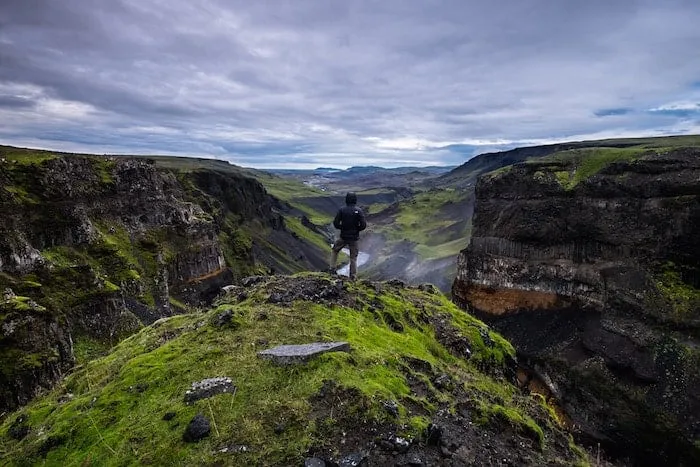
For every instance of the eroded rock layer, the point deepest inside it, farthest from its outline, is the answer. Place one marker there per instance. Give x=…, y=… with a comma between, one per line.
x=101, y=246
x=596, y=280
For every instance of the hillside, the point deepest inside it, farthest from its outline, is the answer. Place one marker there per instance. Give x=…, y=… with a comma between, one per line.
x=422, y=384
x=92, y=248
x=417, y=239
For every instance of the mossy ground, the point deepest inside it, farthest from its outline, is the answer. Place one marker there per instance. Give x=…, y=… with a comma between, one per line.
x=590, y=161
x=114, y=414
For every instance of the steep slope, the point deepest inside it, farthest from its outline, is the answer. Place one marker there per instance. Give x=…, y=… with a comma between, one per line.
x=589, y=261
x=422, y=384
x=92, y=248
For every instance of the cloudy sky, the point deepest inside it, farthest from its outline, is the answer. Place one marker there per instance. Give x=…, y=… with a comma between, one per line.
x=309, y=83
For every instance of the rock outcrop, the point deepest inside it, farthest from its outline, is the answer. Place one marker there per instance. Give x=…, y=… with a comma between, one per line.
x=596, y=280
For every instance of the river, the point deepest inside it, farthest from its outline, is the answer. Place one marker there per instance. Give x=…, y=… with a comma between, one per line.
x=362, y=258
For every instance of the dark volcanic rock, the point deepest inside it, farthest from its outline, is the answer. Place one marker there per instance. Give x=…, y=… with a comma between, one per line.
x=198, y=429
x=19, y=428
x=594, y=283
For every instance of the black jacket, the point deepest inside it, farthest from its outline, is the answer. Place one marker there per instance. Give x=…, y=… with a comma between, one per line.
x=351, y=221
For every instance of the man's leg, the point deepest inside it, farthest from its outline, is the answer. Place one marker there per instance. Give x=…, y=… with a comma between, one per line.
x=337, y=246
x=354, y=251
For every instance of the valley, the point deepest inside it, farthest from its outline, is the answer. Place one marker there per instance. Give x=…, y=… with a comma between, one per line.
x=540, y=303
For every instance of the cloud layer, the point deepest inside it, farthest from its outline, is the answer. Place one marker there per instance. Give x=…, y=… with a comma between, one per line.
x=337, y=83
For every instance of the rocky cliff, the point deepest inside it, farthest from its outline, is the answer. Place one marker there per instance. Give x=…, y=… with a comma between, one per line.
x=589, y=261
x=93, y=248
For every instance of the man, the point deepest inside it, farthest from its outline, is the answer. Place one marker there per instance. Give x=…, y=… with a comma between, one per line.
x=351, y=221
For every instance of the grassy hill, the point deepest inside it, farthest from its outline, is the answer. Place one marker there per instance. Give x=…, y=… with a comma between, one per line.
x=422, y=380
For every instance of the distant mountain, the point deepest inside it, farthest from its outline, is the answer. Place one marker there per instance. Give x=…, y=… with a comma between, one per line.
x=468, y=172
x=363, y=170
x=326, y=169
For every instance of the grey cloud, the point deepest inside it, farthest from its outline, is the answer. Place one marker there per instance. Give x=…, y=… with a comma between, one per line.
x=271, y=80
x=15, y=102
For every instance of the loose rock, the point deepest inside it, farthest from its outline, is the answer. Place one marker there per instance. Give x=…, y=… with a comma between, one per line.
x=290, y=354
x=222, y=319
x=198, y=428
x=209, y=387
x=19, y=428
x=353, y=460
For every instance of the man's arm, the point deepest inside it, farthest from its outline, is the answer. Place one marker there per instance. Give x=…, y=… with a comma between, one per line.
x=361, y=222
x=336, y=221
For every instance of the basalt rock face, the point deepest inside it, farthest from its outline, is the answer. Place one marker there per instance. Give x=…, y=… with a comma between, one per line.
x=106, y=245
x=597, y=284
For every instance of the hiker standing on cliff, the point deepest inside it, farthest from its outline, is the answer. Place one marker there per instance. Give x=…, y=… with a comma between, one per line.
x=351, y=221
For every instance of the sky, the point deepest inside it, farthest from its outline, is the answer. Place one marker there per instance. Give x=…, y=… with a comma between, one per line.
x=339, y=83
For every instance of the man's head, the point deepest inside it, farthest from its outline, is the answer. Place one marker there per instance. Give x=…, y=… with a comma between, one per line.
x=350, y=198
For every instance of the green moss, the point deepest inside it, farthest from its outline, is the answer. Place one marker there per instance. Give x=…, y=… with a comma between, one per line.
x=110, y=287
x=498, y=172
x=16, y=190
x=425, y=221
x=237, y=245
x=683, y=297
x=307, y=235
x=450, y=248
x=20, y=303
x=72, y=273
x=588, y=162
x=179, y=305
x=30, y=284
x=25, y=156
x=119, y=400
x=377, y=207
x=515, y=418
x=419, y=424
x=86, y=348
x=104, y=166
x=563, y=177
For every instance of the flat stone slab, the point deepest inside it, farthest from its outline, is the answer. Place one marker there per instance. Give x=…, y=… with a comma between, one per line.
x=209, y=387
x=290, y=354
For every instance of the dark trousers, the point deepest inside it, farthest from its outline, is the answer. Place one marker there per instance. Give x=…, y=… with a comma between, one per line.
x=339, y=245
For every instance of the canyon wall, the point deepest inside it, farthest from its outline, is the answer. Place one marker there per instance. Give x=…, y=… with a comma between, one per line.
x=596, y=280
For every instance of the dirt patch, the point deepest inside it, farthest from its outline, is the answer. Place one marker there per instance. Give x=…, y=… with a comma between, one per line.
x=498, y=301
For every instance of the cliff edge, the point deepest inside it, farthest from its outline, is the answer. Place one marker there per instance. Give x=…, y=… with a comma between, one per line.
x=589, y=261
